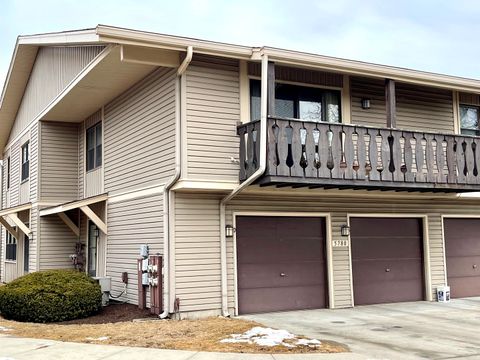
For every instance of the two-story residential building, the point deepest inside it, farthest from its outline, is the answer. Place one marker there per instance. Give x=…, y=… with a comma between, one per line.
x=268, y=179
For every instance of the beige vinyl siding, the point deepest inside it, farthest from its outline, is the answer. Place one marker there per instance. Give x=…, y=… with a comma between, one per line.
x=290, y=74
x=469, y=99
x=418, y=107
x=54, y=68
x=140, y=135
x=34, y=170
x=15, y=153
x=197, y=252
x=132, y=223
x=212, y=111
x=59, y=176
x=94, y=182
x=33, y=239
x=57, y=243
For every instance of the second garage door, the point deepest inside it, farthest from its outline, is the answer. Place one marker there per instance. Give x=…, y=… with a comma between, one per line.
x=387, y=260
x=462, y=248
x=280, y=263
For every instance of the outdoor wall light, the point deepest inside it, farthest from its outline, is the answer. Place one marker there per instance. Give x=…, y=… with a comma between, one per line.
x=96, y=233
x=345, y=230
x=229, y=230
x=365, y=103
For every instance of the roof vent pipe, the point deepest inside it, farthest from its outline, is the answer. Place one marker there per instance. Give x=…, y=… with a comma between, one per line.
x=167, y=219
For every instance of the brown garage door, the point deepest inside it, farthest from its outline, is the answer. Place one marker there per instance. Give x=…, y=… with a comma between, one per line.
x=387, y=260
x=280, y=263
x=462, y=248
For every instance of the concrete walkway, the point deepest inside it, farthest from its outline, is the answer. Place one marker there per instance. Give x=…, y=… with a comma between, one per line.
x=13, y=348
x=417, y=330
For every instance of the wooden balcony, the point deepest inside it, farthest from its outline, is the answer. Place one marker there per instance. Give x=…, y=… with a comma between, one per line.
x=327, y=155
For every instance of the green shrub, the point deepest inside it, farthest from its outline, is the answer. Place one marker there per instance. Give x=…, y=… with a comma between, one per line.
x=49, y=296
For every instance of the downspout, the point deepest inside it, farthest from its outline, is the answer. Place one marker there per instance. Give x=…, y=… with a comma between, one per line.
x=167, y=219
x=259, y=172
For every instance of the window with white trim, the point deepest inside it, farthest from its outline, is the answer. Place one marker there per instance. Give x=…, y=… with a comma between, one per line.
x=11, y=248
x=469, y=120
x=94, y=146
x=25, y=161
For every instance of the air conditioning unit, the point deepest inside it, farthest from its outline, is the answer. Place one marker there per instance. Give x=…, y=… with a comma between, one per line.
x=106, y=285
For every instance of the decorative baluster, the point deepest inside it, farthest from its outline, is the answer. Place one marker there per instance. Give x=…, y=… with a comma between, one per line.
x=361, y=153
x=430, y=159
x=398, y=174
x=373, y=155
x=348, y=150
x=461, y=166
x=477, y=161
x=242, y=156
x=310, y=170
x=441, y=176
x=386, y=156
x=419, y=158
x=451, y=159
x=469, y=161
x=408, y=156
x=336, y=148
x=272, y=159
x=256, y=145
x=282, y=148
x=296, y=169
x=250, y=150
x=323, y=151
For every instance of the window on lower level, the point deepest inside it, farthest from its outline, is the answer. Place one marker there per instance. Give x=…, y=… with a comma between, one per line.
x=25, y=162
x=94, y=146
x=299, y=102
x=11, y=248
x=469, y=122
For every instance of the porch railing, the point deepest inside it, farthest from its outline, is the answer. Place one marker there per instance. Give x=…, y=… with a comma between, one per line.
x=312, y=152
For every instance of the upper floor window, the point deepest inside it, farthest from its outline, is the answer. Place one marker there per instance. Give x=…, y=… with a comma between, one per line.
x=94, y=146
x=25, y=162
x=8, y=173
x=469, y=124
x=11, y=248
x=299, y=102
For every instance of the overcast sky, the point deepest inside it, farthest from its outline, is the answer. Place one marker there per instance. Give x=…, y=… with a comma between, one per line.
x=438, y=36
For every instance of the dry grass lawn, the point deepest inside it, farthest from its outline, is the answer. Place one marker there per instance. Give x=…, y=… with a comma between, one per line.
x=197, y=335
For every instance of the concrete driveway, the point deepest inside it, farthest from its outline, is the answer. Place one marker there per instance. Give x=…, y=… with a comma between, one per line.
x=418, y=330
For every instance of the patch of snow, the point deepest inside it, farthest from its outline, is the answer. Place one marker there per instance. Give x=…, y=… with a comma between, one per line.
x=308, y=342
x=269, y=337
x=101, y=338
x=3, y=328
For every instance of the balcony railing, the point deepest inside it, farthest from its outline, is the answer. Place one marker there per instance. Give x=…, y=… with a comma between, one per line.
x=316, y=154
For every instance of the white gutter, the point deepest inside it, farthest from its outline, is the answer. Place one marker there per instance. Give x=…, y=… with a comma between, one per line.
x=167, y=219
x=259, y=172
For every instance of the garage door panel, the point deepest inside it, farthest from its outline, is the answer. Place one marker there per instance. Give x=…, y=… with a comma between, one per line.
x=385, y=227
x=387, y=292
x=464, y=286
x=393, y=246
x=269, y=246
x=464, y=266
x=462, y=252
x=384, y=270
x=266, y=299
x=268, y=275
x=387, y=260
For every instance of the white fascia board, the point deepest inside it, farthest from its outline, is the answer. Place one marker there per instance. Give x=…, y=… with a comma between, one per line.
x=88, y=36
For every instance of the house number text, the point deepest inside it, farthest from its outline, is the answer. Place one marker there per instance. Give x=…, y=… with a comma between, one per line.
x=340, y=243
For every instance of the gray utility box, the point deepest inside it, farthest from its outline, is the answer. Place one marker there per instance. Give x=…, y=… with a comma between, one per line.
x=106, y=286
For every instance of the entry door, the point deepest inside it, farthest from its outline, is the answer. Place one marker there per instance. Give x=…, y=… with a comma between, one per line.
x=280, y=263
x=92, y=248
x=462, y=248
x=26, y=253
x=387, y=260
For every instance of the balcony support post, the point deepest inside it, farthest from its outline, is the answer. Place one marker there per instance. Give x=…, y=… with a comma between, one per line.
x=271, y=88
x=390, y=101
